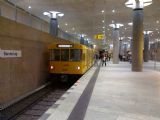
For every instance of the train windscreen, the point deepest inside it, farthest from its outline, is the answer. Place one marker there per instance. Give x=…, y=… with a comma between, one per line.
x=55, y=55
x=65, y=55
x=75, y=55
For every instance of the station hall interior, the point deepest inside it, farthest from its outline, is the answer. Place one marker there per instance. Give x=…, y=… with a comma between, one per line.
x=79, y=60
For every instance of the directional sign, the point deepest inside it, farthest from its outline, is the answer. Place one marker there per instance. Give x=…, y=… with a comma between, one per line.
x=99, y=37
x=10, y=53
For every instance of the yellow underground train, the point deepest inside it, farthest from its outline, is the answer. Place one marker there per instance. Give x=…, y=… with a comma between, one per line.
x=69, y=60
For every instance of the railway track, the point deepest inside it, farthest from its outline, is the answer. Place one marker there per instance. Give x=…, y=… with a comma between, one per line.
x=36, y=110
x=33, y=106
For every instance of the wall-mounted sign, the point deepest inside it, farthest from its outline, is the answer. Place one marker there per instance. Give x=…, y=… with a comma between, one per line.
x=10, y=53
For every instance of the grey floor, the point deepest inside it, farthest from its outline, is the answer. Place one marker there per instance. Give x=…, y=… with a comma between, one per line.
x=119, y=94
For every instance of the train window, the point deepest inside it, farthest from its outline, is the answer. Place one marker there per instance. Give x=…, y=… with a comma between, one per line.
x=75, y=55
x=64, y=54
x=55, y=55
x=84, y=57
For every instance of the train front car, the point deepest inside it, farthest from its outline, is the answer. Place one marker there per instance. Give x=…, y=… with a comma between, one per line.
x=68, y=61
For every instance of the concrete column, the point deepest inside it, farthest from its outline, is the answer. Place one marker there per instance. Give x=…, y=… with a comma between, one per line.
x=116, y=46
x=54, y=27
x=121, y=47
x=131, y=44
x=125, y=48
x=138, y=40
x=87, y=43
x=82, y=41
x=0, y=10
x=146, y=48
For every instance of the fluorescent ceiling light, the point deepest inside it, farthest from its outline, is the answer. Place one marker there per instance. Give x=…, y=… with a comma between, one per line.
x=130, y=23
x=147, y=32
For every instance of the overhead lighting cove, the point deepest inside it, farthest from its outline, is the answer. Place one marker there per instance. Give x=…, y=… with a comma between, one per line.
x=138, y=3
x=118, y=25
x=53, y=14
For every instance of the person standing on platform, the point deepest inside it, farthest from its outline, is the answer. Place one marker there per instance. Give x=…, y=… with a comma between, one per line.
x=109, y=56
x=104, y=59
x=96, y=57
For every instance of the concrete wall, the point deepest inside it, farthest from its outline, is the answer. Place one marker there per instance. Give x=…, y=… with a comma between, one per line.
x=9, y=11
x=21, y=75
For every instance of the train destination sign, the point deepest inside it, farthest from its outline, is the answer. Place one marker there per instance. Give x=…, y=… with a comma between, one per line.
x=65, y=46
x=10, y=53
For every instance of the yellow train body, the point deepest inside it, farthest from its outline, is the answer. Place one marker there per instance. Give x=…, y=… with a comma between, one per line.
x=70, y=59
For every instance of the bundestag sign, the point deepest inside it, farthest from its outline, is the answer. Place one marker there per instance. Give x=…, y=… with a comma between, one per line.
x=10, y=53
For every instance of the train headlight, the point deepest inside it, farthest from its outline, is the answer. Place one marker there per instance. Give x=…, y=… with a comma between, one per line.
x=52, y=67
x=78, y=68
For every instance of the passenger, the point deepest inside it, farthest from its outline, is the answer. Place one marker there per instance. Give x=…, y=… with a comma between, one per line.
x=109, y=57
x=96, y=58
x=130, y=59
x=104, y=58
x=124, y=58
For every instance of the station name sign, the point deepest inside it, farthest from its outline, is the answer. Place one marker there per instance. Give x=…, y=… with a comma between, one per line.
x=10, y=53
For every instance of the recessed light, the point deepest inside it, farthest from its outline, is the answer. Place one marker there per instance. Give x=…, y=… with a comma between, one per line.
x=66, y=24
x=102, y=11
x=157, y=21
x=66, y=31
x=29, y=7
x=113, y=11
x=103, y=27
x=73, y=29
x=103, y=21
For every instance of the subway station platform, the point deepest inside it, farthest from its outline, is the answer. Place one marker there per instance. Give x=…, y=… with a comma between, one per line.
x=113, y=92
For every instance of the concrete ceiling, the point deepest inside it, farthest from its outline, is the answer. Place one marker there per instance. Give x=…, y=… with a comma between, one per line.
x=86, y=16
